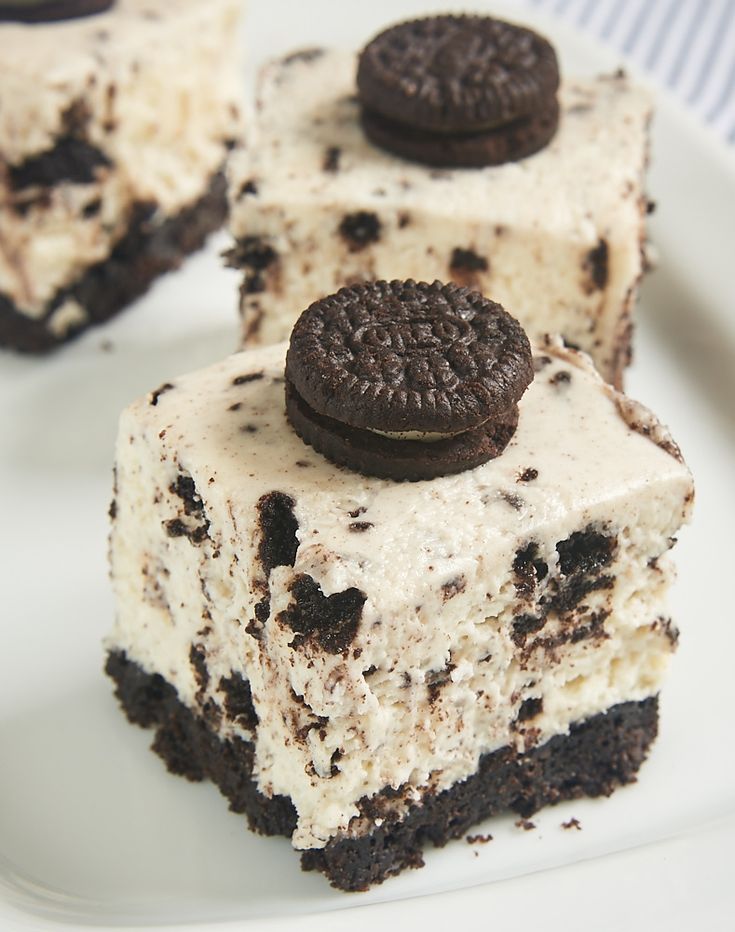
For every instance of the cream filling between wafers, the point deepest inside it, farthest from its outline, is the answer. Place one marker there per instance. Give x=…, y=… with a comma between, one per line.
x=422, y=436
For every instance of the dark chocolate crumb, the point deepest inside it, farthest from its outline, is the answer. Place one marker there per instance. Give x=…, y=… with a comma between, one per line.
x=252, y=253
x=198, y=661
x=154, y=396
x=592, y=630
x=435, y=679
x=330, y=621
x=370, y=670
x=524, y=625
x=71, y=159
x=595, y=264
x=262, y=611
x=303, y=463
x=650, y=206
x=530, y=708
x=453, y=587
x=525, y=824
x=572, y=593
x=357, y=512
x=515, y=501
x=250, y=377
x=360, y=229
x=236, y=407
x=253, y=283
x=278, y=527
x=331, y=159
x=112, y=510
x=92, y=209
x=75, y=119
x=176, y=528
x=563, y=377
x=572, y=823
x=585, y=551
x=528, y=475
x=333, y=768
x=239, y=701
x=540, y=362
x=404, y=219
x=465, y=267
x=185, y=489
x=359, y=526
x=248, y=187
x=249, y=429
x=467, y=260
x=478, y=839
x=529, y=569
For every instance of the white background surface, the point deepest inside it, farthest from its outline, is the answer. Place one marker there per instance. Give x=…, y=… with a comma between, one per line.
x=92, y=828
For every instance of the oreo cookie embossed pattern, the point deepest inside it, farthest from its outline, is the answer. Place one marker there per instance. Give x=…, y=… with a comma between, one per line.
x=406, y=380
x=459, y=91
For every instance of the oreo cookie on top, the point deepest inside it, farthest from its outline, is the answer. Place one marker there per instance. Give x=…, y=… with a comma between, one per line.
x=459, y=91
x=406, y=380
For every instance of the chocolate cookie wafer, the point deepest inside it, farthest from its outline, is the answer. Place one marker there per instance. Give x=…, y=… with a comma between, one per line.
x=43, y=11
x=406, y=380
x=459, y=90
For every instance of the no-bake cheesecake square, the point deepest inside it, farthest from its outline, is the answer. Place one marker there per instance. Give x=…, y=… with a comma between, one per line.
x=370, y=667
x=114, y=130
x=558, y=238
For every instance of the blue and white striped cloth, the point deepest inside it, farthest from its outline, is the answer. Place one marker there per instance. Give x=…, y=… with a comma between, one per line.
x=687, y=45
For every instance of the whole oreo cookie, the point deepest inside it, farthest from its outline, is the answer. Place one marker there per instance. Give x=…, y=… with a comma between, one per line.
x=45, y=11
x=459, y=77
x=406, y=380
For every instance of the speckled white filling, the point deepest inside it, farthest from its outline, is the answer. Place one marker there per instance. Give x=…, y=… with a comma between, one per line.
x=444, y=656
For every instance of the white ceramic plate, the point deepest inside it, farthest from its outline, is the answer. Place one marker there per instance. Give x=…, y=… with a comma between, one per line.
x=94, y=832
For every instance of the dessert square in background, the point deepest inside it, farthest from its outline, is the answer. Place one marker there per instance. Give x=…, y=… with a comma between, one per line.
x=114, y=131
x=557, y=236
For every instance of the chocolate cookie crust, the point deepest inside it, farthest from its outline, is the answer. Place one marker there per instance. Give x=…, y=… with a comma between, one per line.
x=596, y=756
x=145, y=251
x=452, y=74
x=45, y=11
x=409, y=356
